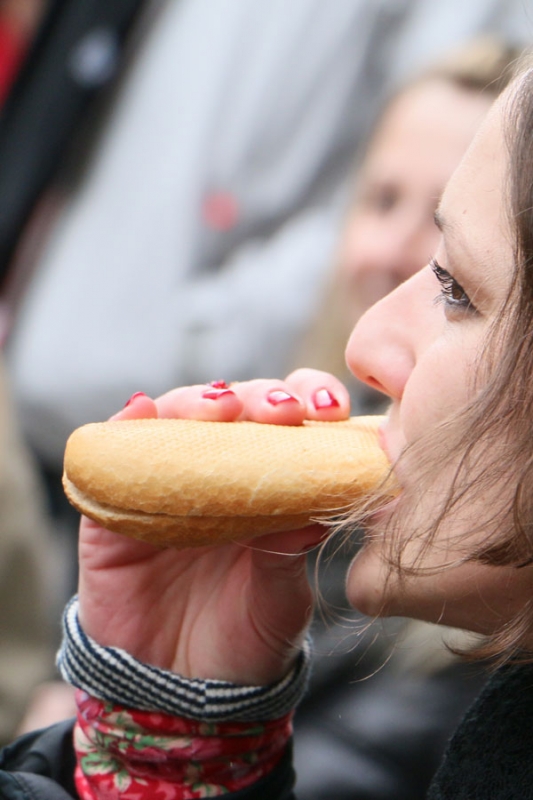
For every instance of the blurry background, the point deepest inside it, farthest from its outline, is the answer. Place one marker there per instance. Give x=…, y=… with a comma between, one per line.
x=176, y=181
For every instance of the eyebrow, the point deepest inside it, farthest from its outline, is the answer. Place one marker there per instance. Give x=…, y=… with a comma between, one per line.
x=445, y=225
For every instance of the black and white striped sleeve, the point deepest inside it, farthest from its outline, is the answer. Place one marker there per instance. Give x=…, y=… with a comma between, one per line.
x=111, y=674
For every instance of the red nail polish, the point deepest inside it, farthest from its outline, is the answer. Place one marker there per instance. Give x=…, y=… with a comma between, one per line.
x=134, y=397
x=324, y=399
x=214, y=393
x=280, y=396
x=218, y=384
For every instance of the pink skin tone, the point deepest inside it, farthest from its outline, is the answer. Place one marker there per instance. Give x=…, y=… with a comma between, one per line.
x=239, y=612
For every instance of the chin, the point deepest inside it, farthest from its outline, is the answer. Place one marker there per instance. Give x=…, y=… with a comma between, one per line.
x=369, y=582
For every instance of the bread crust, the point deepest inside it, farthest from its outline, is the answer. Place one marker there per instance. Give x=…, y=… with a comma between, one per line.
x=191, y=483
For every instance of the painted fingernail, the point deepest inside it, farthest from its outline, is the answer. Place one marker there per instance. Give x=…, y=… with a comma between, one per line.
x=133, y=398
x=278, y=396
x=323, y=398
x=218, y=384
x=214, y=393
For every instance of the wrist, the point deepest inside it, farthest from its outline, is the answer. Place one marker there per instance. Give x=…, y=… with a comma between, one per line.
x=114, y=675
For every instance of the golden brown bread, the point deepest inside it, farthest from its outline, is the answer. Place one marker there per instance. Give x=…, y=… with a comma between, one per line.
x=190, y=483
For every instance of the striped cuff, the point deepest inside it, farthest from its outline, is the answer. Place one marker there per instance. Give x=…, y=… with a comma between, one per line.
x=110, y=673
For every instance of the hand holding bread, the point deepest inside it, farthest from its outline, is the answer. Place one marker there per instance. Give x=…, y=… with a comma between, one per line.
x=183, y=608
x=187, y=483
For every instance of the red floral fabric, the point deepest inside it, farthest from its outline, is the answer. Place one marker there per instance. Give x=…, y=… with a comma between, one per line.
x=136, y=755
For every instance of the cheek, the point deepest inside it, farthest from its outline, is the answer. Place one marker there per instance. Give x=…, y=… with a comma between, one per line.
x=440, y=384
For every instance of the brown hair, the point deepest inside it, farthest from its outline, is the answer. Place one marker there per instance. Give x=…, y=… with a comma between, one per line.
x=510, y=398
x=499, y=421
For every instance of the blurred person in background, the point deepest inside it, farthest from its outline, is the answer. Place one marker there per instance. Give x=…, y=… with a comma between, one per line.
x=382, y=739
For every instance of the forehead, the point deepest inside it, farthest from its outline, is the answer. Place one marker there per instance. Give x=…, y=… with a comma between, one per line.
x=474, y=206
x=427, y=127
x=430, y=99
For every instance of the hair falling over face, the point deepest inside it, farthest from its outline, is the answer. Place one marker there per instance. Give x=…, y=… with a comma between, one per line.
x=474, y=467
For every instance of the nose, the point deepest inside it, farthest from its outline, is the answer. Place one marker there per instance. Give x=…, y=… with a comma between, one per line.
x=385, y=344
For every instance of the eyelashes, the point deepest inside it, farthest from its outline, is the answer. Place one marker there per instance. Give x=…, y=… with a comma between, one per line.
x=452, y=293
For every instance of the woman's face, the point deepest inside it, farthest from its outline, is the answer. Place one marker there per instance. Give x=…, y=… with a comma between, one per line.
x=390, y=232
x=418, y=346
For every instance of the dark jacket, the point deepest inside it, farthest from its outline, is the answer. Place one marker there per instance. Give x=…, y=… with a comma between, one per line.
x=491, y=754
x=39, y=766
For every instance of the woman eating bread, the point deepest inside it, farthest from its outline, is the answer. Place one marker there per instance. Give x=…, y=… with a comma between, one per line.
x=189, y=662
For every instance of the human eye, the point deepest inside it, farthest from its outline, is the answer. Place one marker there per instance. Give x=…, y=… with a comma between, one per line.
x=452, y=293
x=380, y=198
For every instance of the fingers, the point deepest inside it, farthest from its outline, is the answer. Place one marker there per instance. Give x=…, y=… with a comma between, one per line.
x=267, y=401
x=270, y=401
x=259, y=400
x=324, y=396
x=305, y=394
x=205, y=402
x=280, y=599
x=213, y=402
x=139, y=406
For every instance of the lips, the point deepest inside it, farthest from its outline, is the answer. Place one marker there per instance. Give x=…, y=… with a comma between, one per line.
x=382, y=441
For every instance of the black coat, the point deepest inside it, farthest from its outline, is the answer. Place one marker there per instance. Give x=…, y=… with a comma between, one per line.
x=491, y=754
x=39, y=765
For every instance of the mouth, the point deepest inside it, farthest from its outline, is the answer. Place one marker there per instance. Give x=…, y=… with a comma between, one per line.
x=394, y=482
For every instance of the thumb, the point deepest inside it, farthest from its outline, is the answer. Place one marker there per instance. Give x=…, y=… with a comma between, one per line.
x=281, y=598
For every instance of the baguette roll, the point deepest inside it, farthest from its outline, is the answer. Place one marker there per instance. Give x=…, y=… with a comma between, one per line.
x=188, y=483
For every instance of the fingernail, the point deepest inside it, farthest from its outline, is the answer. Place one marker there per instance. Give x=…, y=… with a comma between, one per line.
x=134, y=397
x=280, y=396
x=218, y=384
x=214, y=393
x=323, y=398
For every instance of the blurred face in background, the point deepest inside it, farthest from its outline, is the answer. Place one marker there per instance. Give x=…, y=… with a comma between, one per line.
x=390, y=232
